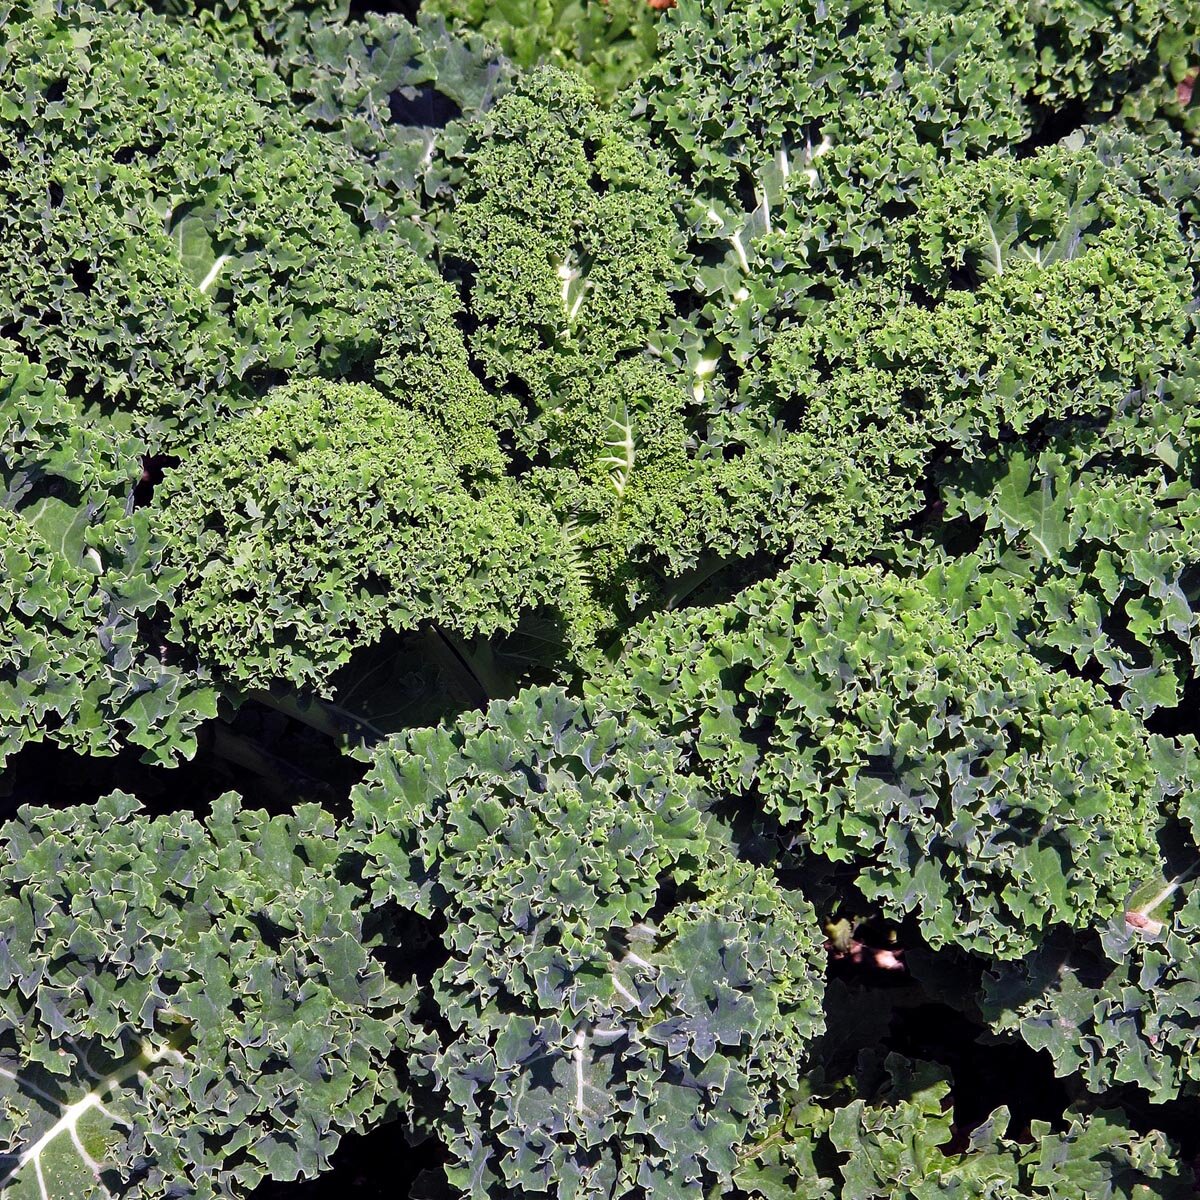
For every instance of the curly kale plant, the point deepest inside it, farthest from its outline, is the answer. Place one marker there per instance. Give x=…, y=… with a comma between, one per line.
x=729, y=469
x=801, y=133
x=183, y=238
x=80, y=576
x=329, y=514
x=1005, y=293
x=183, y=1004
x=893, y=1141
x=1119, y=1008
x=1122, y=1012
x=1025, y=291
x=623, y=1003
x=962, y=780
x=1099, y=527
x=563, y=222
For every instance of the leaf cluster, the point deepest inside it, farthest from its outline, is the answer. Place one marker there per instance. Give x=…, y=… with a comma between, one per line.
x=747, y=454
x=622, y=1003
x=889, y=1134
x=330, y=514
x=80, y=580
x=964, y=781
x=183, y=1004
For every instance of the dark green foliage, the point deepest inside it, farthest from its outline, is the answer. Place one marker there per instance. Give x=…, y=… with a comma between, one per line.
x=896, y=1140
x=1169, y=92
x=359, y=373
x=386, y=88
x=328, y=515
x=194, y=1002
x=989, y=796
x=623, y=1003
x=1119, y=1008
x=771, y=481
x=803, y=134
x=393, y=92
x=1099, y=528
x=238, y=15
x=182, y=236
x=148, y=321
x=1070, y=50
x=1010, y=292
x=611, y=41
x=71, y=669
x=80, y=575
x=1029, y=290
x=566, y=240
x=566, y=229
x=1079, y=258
x=746, y=94
x=1123, y=1012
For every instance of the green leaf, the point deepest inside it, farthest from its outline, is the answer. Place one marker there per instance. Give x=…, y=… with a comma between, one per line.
x=234, y=1024
x=1028, y=505
x=600, y=1026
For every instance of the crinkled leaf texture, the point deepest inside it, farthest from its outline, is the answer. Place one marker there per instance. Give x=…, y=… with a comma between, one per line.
x=80, y=577
x=623, y=1003
x=330, y=514
x=1018, y=293
x=564, y=221
x=1118, y=1009
x=185, y=1007
x=1100, y=532
x=611, y=42
x=969, y=785
x=895, y=1141
x=214, y=242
